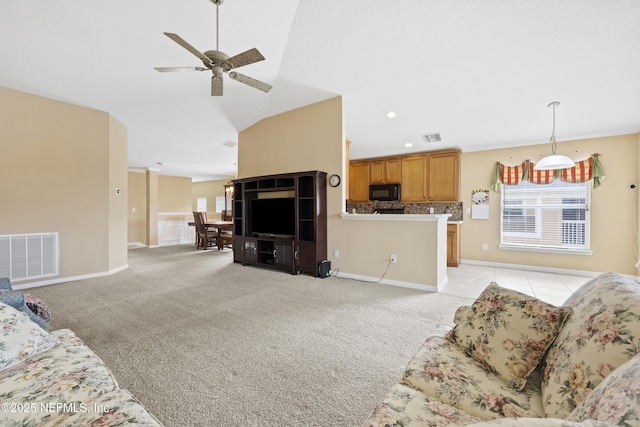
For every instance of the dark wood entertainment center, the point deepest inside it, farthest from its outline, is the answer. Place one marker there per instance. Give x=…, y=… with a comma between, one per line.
x=301, y=251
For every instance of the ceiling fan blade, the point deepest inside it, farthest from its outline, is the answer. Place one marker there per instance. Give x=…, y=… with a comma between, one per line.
x=216, y=86
x=244, y=58
x=179, y=69
x=176, y=38
x=250, y=81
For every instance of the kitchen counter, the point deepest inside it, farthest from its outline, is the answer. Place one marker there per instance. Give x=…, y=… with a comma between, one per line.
x=396, y=217
x=418, y=243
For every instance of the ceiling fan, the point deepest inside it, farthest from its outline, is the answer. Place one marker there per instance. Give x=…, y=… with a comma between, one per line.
x=219, y=62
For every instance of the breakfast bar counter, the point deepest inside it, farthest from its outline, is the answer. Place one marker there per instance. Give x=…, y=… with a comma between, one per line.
x=418, y=243
x=395, y=217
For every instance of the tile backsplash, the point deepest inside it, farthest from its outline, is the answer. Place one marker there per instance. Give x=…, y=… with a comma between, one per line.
x=453, y=208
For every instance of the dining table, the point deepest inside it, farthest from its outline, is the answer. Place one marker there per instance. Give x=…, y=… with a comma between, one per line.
x=219, y=226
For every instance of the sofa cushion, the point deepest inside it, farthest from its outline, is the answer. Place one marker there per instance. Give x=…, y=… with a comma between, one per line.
x=69, y=373
x=507, y=332
x=20, y=337
x=616, y=399
x=602, y=333
x=443, y=371
x=405, y=407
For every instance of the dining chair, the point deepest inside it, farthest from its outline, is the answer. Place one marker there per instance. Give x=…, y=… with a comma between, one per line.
x=226, y=235
x=204, y=238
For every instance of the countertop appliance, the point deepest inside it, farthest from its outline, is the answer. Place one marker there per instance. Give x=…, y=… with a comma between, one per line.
x=384, y=192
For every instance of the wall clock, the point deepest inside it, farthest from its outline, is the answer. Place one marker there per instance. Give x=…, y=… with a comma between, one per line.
x=334, y=180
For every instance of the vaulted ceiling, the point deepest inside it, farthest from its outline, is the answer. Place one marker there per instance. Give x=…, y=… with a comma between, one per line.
x=480, y=73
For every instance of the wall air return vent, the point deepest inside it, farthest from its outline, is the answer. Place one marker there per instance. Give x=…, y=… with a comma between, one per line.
x=432, y=137
x=29, y=256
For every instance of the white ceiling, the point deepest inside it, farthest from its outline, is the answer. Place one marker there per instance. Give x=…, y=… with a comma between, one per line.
x=479, y=72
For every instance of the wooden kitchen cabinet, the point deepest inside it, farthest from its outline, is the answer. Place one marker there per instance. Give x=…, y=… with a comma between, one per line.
x=443, y=179
x=384, y=171
x=414, y=178
x=432, y=176
x=453, y=245
x=359, y=182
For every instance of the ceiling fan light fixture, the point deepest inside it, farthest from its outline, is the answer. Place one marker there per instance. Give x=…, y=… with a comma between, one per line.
x=219, y=62
x=554, y=161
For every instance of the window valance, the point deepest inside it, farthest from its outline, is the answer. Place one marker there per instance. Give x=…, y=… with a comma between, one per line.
x=585, y=170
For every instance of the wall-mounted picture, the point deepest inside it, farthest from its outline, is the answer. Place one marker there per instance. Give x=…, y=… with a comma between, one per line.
x=480, y=204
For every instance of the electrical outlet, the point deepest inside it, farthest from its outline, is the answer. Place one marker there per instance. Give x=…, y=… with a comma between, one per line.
x=336, y=254
x=431, y=210
x=485, y=247
x=392, y=258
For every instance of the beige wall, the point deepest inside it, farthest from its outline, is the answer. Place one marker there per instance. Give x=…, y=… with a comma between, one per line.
x=174, y=194
x=137, y=208
x=60, y=166
x=368, y=244
x=613, y=238
x=117, y=191
x=637, y=202
x=210, y=190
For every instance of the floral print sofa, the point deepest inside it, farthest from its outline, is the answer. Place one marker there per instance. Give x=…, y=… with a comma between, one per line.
x=512, y=360
x=53, y=379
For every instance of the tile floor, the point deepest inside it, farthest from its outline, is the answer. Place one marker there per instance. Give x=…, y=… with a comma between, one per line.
x=469, y=280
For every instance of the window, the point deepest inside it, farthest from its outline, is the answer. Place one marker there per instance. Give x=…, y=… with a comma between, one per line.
x=552, y=217
x=201, y=204
x=219, y=204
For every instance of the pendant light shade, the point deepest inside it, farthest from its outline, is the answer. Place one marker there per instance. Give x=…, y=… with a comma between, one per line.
x=554, y=161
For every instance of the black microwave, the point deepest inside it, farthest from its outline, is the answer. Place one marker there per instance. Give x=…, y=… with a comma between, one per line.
x=384, y=192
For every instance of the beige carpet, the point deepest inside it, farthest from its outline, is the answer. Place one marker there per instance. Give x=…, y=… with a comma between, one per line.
x=201, y=341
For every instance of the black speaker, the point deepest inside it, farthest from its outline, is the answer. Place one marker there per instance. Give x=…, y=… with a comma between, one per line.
x=324, y=269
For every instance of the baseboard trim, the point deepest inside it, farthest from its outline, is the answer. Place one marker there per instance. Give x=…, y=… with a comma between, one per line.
x=68, y=279
x=419, y=286
x=531, y=268
x=134, y=245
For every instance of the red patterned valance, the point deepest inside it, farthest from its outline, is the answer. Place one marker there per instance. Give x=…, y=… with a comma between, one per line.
x=512, y=175
x=583, y=171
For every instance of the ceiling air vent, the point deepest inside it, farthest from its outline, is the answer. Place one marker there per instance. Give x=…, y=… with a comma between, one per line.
x=432, y=137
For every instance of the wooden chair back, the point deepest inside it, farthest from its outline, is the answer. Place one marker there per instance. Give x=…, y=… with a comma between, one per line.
x=204, y=237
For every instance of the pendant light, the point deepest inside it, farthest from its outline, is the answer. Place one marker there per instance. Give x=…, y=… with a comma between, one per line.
x=554, y=161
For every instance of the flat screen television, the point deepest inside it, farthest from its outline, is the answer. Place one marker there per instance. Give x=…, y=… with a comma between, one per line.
x=273, y=216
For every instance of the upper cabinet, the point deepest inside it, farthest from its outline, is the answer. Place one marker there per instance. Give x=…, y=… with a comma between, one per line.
x=384, y=171
x=424, y=177
x=414, y=179
x=444, y=177
x=359, y=181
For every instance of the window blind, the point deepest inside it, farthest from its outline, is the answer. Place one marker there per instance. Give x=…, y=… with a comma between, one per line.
x=552, y=216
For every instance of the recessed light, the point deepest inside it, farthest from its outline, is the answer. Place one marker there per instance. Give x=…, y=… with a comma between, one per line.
x=408, y=145
x=391, y=115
